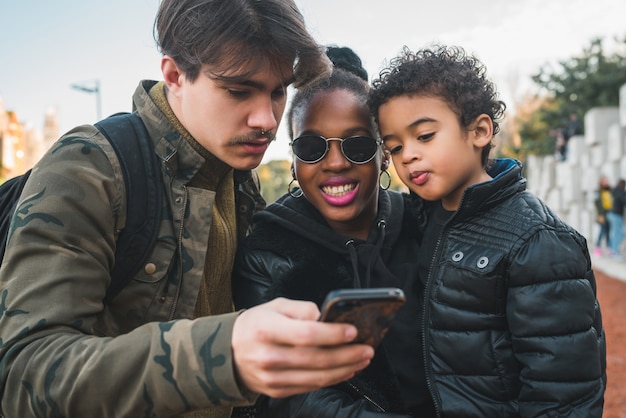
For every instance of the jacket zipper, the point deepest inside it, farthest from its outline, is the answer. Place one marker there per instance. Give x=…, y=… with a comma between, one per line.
x=425, y=334
x=434, y=395
x=367, y=398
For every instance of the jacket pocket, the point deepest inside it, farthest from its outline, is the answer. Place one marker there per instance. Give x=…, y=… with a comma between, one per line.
x=471, y=278
x=156, y=266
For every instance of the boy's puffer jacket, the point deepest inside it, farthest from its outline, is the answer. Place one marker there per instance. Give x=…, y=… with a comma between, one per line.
x=513, y=327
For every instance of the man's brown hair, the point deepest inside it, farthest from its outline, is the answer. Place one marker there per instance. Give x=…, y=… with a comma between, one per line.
x=238, y=35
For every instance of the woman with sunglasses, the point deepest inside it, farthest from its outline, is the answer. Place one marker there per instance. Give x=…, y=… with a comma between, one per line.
x=341, y=228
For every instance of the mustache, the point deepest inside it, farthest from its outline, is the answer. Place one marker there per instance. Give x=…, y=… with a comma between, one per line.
x=252, y=137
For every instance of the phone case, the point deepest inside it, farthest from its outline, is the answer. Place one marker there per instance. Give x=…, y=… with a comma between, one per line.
x=371, y=311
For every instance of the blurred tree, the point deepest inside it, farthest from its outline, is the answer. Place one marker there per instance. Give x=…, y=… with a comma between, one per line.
x=534, y=125
x=507, y=141
x=592, y=79
x=275, y=176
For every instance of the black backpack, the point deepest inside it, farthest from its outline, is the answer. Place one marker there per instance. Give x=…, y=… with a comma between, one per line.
x=142, y=178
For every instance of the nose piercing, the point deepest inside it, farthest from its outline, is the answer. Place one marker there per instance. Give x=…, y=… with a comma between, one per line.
x=262, y=131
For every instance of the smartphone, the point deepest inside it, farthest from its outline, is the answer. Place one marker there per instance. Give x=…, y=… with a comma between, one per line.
x=371, y=311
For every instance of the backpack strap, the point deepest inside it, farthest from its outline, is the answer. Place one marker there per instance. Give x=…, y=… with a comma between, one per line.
x=142, y=178
x=10, y=192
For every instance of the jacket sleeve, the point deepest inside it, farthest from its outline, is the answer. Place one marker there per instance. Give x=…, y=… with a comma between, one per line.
x=254, y=273
x=53, y=360
x=556, y=326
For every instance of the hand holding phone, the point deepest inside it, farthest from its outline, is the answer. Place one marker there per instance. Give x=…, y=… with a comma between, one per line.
x=371, y=311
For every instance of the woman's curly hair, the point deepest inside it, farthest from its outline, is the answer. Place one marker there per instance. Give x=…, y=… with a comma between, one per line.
x=447, y=72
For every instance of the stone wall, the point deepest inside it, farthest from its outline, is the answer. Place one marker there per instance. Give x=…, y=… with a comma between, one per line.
x=568, y=186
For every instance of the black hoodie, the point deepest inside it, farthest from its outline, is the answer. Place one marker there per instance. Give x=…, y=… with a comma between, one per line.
x=292, y=252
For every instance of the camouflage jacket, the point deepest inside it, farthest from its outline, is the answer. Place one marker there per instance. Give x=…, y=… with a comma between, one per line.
x=63, y=353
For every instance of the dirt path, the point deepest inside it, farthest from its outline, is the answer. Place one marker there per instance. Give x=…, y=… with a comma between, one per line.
x=612, y=298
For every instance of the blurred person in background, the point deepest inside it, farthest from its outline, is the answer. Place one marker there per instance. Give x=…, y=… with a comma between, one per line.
x=603, y=202
x=616, y=219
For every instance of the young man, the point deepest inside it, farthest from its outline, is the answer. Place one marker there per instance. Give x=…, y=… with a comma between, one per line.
x=168, y=343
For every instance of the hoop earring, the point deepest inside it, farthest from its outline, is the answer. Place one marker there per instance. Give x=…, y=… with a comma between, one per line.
x=387, y=182
x=294, y=191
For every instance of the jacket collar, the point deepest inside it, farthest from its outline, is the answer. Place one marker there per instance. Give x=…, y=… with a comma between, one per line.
x=180, y=157
x=506, y=180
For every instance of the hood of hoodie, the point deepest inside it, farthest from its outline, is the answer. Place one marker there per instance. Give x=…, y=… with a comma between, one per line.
x=299, y=217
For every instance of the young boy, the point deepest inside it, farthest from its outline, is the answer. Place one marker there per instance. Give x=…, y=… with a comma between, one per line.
x=511, y=325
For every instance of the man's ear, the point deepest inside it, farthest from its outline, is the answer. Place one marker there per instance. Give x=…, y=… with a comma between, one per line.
x=482, y=132
x=172, y=75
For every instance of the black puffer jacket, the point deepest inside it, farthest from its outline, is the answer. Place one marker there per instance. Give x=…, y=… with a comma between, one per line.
x=513, y=324
x=292, y=252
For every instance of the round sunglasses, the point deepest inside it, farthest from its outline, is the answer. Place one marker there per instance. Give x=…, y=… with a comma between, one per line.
x=358, y=149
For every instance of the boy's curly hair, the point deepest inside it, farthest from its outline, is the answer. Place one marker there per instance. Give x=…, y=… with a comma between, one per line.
x=445, y=72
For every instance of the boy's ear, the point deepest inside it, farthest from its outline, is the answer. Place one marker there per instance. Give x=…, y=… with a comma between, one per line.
x=482, y=134
x=172, y=76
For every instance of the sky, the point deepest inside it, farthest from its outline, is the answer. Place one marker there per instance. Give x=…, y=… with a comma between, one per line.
x=48, y=46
